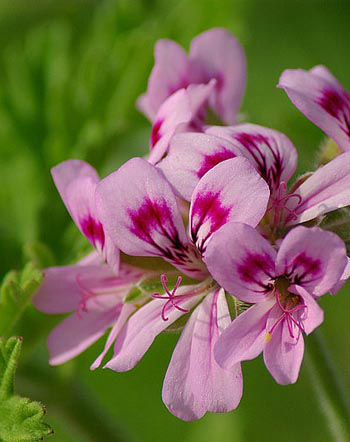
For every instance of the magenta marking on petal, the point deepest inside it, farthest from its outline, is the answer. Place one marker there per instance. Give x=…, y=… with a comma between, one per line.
x=212, y=160
x=252, y=142
x=93, y=230
x=155, y=134
x=304, y=269
x=337, y=105
x=254, y=268
x=207, y=207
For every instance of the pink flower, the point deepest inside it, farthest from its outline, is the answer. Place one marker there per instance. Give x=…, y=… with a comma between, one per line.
x=319, y=96
x=181, y=88
x=272, y=154
x=94, y=293
x=76, y=182
x=282, y=285
x=140, y=212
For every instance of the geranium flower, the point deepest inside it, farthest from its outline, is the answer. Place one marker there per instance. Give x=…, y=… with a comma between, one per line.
x=273, y=155
x=182, y=88
x=320, y=96
x=140, y=212
x=283, y=286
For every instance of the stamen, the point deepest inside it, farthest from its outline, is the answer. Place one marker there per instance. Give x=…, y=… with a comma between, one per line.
x=85, y=296
x=170, y=296
x=278, y=203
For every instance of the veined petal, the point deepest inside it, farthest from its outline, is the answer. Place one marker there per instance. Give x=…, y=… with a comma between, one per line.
x=194, y=382
x=76, y=182
x=73, y=335
x=192, y=155
x=312, y=258
x=170, y=73
x=218, y=54
x=182, y=111
x=272, y=153
x=143, y=327
x=244, y=338
x=313, y=316
x=319, y=96
x=140, y=212
x=326, y=190
x=231, y=191
x=241, y=261
x=282, y=357
x=64, y=287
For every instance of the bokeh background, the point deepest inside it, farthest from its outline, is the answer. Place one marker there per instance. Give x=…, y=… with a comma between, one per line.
x=70, y=72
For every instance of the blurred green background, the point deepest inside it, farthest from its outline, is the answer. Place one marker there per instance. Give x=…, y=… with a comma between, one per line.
x=70, y=72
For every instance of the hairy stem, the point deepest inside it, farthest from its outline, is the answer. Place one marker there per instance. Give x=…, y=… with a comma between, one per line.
x=328, y=387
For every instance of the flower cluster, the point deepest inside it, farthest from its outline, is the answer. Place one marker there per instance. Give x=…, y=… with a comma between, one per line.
x=205, y=235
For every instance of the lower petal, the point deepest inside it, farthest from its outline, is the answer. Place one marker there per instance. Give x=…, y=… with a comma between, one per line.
x=194, y=382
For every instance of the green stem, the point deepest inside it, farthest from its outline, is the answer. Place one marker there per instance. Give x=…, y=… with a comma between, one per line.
x=328, y=387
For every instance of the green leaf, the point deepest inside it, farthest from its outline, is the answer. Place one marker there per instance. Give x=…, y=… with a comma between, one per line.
x=15, y=295
x=20, y=418
x=39, y=254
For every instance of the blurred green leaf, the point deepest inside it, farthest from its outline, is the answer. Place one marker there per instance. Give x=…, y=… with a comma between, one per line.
x=20, y=418
x=16, y=293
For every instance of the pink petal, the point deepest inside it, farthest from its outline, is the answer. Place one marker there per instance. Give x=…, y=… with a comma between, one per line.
x=272, y=153
x=282, y=357
x=63, y=287
x=312, y=258
x=319, y=96
x=126, y=311
x=344, y=277
x=76, y=182
x=194, y=382
x=241, y=261
x=76, y=333
x=142, y=328
x=244, y=338
x=314, y=314
x=182, y=111
x=231, y=191
x=191, y=156
x=326, y=190
x=218, y=54
x=140, y=212
x=170, y=73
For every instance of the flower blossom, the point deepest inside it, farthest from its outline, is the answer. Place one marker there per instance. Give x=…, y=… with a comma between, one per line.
x=181, y=89
x=283, y=285
x=320, y=96
x=140, y=212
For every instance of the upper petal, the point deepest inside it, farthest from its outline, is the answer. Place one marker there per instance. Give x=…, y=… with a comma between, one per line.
x=182, y=111
x=325, y=190
x=194, y=382
x=142, y=328
x=171, y=72
x=312, y=258
x=140, y=212
x=192, y=155
x=218, y=54
x=319, y=96
x=272, y=153
x=244, y=338
x=231, y=191
x=241, y=261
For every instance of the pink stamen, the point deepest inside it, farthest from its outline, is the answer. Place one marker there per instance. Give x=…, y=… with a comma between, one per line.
x=85, y=296
x=288, y=315
x=278, y=203
x=170, y=296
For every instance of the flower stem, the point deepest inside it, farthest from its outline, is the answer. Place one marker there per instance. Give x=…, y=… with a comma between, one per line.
x=328, y=387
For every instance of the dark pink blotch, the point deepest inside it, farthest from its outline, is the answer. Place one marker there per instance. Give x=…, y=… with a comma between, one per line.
x=155, y=134
x=210, y=161
x=207, y=206
x=304, y=268
x=337, y=105
x=93, y=230
x=254, y=268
